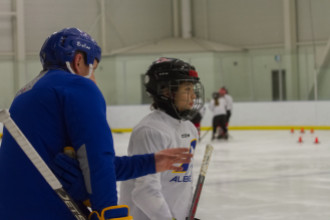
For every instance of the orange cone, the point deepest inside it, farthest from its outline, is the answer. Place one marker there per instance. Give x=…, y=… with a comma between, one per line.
x=312, y=130
x=292, y=130
x=316, y=141
x=302, y=130
x=300, y=139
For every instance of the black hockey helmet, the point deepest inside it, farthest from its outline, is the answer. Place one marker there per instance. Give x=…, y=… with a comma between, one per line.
x=170, y=73
x=216, y=95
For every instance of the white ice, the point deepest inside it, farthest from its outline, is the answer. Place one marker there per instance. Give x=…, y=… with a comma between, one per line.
x=262, y=174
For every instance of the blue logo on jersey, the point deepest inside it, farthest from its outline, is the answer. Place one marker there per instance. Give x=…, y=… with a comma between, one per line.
x=185, y=166
x=181, y=179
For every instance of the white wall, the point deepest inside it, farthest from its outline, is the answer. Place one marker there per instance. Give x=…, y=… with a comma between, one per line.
x=244, y=114
x=305, y=113
x=238, y=23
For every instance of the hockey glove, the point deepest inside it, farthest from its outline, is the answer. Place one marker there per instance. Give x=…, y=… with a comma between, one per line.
x=68, y=172
x=119, y=212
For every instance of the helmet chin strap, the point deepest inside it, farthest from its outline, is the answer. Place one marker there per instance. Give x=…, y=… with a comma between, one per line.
x=69, y=67
x=71, y=70
x=90, y=71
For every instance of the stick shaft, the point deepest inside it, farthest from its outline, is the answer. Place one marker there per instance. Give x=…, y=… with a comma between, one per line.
x=200, y=181
x=39, y=163
x=204, y=134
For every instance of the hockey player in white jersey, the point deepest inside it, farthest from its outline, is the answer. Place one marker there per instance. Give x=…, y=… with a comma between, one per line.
x=177, y=94
x=229, y=100
x=218, y=107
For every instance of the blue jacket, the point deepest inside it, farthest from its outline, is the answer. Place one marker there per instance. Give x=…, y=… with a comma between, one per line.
x=61, y=109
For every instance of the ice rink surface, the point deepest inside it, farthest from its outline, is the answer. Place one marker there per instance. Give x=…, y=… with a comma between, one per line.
x=262, y=175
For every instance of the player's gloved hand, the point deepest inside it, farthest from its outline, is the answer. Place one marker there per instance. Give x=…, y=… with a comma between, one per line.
x=119, y=212
x=69, y=174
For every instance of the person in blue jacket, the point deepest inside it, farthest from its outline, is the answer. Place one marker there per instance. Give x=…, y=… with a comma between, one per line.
x=62, y=107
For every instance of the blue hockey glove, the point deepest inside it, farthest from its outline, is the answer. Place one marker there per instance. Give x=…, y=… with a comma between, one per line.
x=119, y=212
x=69, y=174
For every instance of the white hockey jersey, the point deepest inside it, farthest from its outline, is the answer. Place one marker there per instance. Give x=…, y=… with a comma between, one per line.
x=229, y=101
x=220, y=109
x=166, y=195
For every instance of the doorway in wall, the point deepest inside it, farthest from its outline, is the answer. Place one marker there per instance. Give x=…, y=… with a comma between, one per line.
x=278, y=85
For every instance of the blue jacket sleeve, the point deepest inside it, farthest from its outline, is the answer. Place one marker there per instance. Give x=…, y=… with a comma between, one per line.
x=134, y=166
x=90, y=135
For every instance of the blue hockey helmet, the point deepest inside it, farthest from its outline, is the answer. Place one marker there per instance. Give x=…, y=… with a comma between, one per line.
x=60, y=48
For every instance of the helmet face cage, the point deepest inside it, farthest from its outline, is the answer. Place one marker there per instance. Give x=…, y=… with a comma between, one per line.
x=198, y=91
x=162, y=81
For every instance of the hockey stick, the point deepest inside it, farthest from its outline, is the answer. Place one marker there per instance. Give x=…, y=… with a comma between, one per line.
x=201, y=138
x=40, y=164
x=200, y=182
